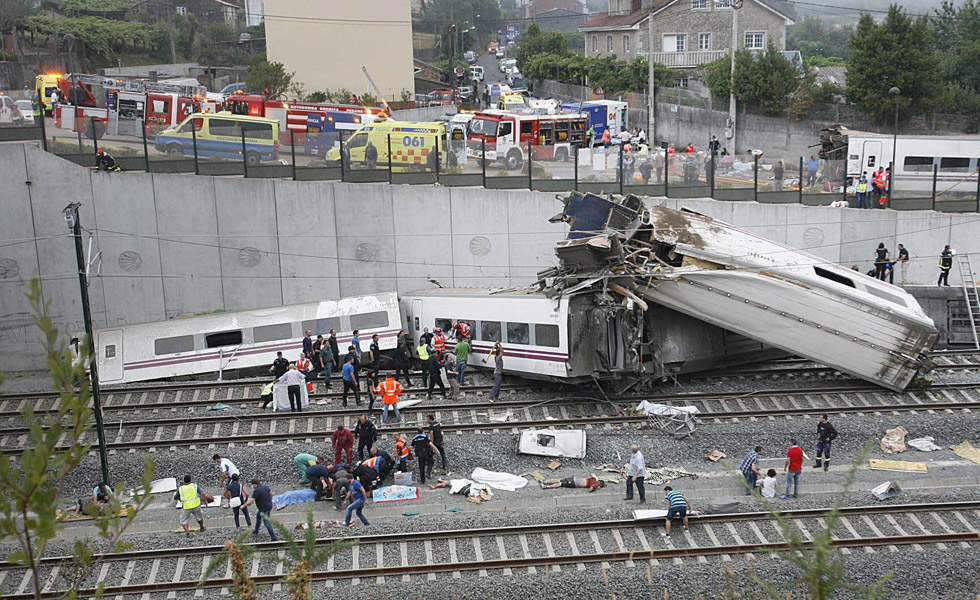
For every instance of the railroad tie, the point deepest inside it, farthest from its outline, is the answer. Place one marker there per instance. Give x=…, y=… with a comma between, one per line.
x=918, y=523
x=403, y=551
x=177, y=573
x=478, y=550
x=598, y=547
x=874, y=529
x=26, y=580
x=621, y=547
x=380, y=561
x=255, y=566
x=715, y=542
x=130, y=567
x=52, y=577
x=891, y=520
x=854, y=534
x=550, y=549
x=279, y=571
x=429, y=560
x=503, y=553
x=527, y=553
x=574, y=546
x=738, y=540
x=693, y=544
x=204, y=567
x=224, y=590
x=833, y=535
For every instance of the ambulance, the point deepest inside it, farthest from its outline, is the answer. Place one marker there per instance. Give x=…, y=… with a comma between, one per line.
x=413, y=145
x=44, y=85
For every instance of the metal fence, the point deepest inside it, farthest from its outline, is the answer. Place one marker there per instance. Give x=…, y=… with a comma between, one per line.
x=400, y=160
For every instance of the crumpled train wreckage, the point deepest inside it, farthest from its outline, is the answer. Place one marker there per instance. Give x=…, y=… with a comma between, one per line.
x=675, y=291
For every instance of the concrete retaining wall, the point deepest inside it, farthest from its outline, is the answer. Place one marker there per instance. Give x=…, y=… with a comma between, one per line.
x=428, y=113
x=173, y=245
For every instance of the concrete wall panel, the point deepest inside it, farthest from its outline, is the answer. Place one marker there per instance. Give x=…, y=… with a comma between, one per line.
x=421, y=219
x=188, y=228
x=307, y=241
x=924, y=234
x=532, y=237
x=861, y=232
x=365, y=245
x=247, y=234
x=764, y=220
x=814, y=229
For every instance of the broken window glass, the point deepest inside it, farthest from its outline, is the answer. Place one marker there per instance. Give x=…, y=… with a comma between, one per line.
x=518, y=333
x=490, y=331
x=546, y=441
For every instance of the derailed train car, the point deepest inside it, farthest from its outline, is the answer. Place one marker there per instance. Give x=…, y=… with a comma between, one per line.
x=766, y=291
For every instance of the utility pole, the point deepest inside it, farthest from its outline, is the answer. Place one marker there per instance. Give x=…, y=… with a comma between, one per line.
x=75, y=227
x=652, y=84
x=170, y=30
x=730, y=127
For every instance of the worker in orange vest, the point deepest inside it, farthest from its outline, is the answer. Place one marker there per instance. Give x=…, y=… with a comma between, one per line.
x=389, y=389
x=879, y=182
x=403, y=453
x=439, y=341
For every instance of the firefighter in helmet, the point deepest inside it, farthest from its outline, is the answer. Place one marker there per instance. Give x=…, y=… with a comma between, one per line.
x=105, y=162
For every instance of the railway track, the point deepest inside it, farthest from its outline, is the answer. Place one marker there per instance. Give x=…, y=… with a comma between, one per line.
x=263, y=428
x=516, y=550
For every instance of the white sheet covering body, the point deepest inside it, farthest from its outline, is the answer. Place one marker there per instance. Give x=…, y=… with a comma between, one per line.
x=280, y=396
x=499, y=481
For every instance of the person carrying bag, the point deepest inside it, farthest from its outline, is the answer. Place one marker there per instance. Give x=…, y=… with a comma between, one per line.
x=235, y=492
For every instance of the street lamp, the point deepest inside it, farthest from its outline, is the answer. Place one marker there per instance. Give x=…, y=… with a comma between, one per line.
x=75, y=229
x=730, y=130
x=895, y=93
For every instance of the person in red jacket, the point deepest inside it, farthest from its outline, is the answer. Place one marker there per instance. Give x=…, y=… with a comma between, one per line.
x=793, y=468
x=342, y=441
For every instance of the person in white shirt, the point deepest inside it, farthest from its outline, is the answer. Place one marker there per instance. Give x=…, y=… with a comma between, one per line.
x=638, y=470
x=294, y=379
x=768, y=484
x=226, y=467
x=624, y=136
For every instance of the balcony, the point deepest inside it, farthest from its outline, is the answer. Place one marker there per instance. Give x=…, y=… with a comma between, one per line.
x=679, y=60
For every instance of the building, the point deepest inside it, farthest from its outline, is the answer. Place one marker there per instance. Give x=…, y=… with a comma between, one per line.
x=327, y=42
x=205, y=11
x=560, y=15
x=686, y=33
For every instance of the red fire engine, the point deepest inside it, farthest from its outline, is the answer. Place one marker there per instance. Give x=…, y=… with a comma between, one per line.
x=293, y=116
x=128, y=105
x=508, y=136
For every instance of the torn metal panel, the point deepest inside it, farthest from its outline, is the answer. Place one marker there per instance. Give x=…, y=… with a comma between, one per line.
x=553, y=442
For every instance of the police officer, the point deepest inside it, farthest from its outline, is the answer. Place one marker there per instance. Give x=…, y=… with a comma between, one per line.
x=423, y=351
x=366, y=434
x=424, y=452
x=945, y=264
x=861, y=190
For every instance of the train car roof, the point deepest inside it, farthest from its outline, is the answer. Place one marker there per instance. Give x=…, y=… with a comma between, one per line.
x=478, y=292
x=912, y=136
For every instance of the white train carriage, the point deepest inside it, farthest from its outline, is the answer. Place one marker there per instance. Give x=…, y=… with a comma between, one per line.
x=239, y=340
x=532, y=327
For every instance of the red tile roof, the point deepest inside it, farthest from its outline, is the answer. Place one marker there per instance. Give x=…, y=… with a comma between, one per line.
x=622, y=20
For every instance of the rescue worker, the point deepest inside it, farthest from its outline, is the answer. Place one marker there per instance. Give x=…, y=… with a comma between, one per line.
x=105, y=162
x=279, y=366
x=861, y=190
x=435, y=375
x=342, y=441
x=266, y=395
x=372, y=385
x=439, y=341
x=319, y=477
x=424, y=452
x=374, y=353
x=304, y=462
x=389, y=390
x=387, y=464
x=190, y=496
x=403, y=453
x=341, y=483
x=226, y=468
x=367, y=474
x=826, y=434
x=366, y=434
x=945, y=264
x=437, y=440
x=423, y=351
x=878, y=183
x=461, y=330
x=881, y=260
x=101, y=496
x=334, y=348
x=402, y=361
x=350, y=381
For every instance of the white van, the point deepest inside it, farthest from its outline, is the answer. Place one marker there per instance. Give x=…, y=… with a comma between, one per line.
x=476, y=73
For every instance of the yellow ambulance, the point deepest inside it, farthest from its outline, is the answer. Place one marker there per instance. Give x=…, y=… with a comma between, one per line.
x=413, y=146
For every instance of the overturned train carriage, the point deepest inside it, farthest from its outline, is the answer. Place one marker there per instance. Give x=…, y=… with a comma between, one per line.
x=766, y=291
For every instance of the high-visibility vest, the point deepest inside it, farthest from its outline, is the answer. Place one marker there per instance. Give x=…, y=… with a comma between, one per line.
x=423, y=351
x=862, y=187
x=267, y=389
x=879, y=179
x=389, y=390
x=401, y=449
x=372, y=462
x=945, y=261
x=189, y=498
x=439, y=342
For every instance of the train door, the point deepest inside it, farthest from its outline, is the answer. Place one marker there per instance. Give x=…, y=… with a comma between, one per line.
x=416, y=317
x=110, y=351
x=871, y=157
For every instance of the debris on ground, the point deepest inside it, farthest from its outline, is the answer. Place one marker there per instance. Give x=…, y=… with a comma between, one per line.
x=395, y=493
x=722, y=505
x=553, y=442
x=318, y=525
x=608, y=478
x=967, y=451
x=219, y=406
x=715, y=455
x=666, y=475
x=894, y=440
x=924, y=444
x=897, y=465
x=886, y=490
x=536, y=475
x=666, y=410
x=554, y=465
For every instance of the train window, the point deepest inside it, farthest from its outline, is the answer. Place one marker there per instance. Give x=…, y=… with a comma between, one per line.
x=371, y=320
x=472, y=325
x=833, y=276
x=444, y=324
x=173, y=345
x=271, y=333
x=323, y=326
x=224, y=338
x=546, y=335
x=518, y=333
x=918, y=163
x=490, y=331
x=110, y=351
x=955, y=165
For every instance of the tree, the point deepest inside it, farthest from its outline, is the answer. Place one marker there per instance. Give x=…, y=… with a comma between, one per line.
x=12, y=13
x=814, y=38
x=895, y=53
x=271, y=76
x=34, y=484
x=765, y=81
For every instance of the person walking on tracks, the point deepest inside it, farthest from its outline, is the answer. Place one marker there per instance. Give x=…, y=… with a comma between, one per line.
x=637, y=472
x=402, y=362
x=435, y=430
x=677, y=506
x=236, y=498
x=390, y=390
x=350, y=380
x=424, y=453
x=793, y=468
x=497, y=352
x=293, y=380
x=826, y=434
x=356, y=494
x=435, y=374
x=190, y=497
x=262, y=499
x=423, y=351
x=366, y=434
x=945, y=264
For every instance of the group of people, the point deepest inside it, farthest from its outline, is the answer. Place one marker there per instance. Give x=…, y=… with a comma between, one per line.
x=767, y=482
x=884, y=264
x=873, y=192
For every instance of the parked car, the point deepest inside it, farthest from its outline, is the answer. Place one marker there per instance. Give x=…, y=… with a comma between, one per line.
x=465, y=93
x=9, y=113
x=26, y=111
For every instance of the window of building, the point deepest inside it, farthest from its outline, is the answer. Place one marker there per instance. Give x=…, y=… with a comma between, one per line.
x=955, y=165
x=321, y=326
x=595, y=44
x=704, y=41
x=224, y=338
x=626, y=43
x=918, y=163
x=546, y=335
x=518, y=333
x=723, y=3
x=182, y=10
x=681, y=42
x=755, y=40
x=674, y=42
x=609, y=44
x=680, y=82
x=490, y=331
x=371, y=320
x=272, y=333
x=699, y=4
x=173, y=345
x=110, y=351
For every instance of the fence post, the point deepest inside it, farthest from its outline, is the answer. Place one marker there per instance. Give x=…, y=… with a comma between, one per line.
x=712, y=181
x=935, y=176
x=146, y=151
x=799, y=186
x=389, y=159
x=341, y=154
x=197, y=167
x=292, y=149
x=79, y=126
x=44, y=134
x=891, y=188
x=843, y=183
x=577, y=150
x=666, y=175
x=619, y=170
x=483, y=161
x=978, y=189
x=530, y=182
x=437, y=159
x=95, y=143
x=244, y=157
x=755, y=178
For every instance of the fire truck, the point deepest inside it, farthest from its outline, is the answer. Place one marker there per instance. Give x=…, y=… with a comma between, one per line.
x=294, y=116
x=127, y=106
x=508, y=136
